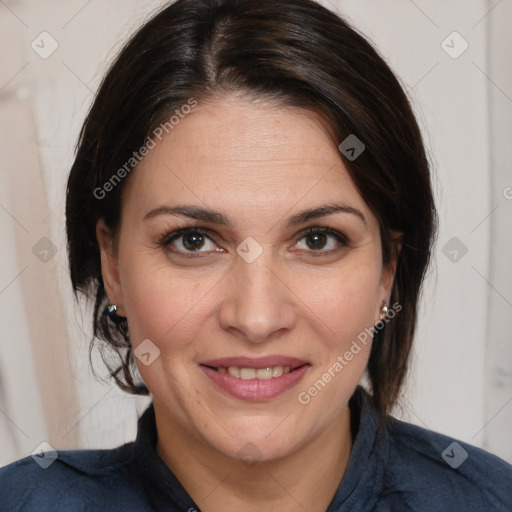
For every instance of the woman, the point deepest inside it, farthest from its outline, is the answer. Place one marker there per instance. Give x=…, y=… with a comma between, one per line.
x=251, y=207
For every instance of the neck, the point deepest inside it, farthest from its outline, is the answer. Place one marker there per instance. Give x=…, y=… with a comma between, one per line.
x=304, y=480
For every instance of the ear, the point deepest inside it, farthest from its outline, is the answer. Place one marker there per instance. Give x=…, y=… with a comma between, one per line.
x=109, y=266
x=389, y=270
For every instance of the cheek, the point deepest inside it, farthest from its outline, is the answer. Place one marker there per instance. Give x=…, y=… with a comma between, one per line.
x=158, y=302
x=343, y=301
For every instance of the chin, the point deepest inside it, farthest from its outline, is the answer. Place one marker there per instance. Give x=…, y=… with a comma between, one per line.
x=257, y=440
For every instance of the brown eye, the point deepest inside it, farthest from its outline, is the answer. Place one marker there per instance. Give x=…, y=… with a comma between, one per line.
x=192, y=241
x=322, y=240
x=187, y=241
x=316, y=241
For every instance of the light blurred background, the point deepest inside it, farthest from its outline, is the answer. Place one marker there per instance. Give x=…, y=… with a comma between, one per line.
x=53, y=55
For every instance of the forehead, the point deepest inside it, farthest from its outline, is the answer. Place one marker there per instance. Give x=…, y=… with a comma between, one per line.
x=234, y=152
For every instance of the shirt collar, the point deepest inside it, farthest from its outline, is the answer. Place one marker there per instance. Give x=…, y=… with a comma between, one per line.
x=359, y=489
x=162, y=487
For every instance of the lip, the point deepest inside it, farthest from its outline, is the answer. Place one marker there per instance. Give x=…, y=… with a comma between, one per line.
x=255, y=362
x=255, y=389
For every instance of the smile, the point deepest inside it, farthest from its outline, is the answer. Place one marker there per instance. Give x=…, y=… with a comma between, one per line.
x=269, y=372
x=253, y=379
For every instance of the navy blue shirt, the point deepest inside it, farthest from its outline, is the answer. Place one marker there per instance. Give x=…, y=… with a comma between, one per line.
x=399, y=468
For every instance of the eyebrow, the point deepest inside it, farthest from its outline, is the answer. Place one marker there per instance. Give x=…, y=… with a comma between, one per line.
x=195, y=212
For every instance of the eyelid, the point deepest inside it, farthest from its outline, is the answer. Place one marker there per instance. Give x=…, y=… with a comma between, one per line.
x=328, y=230
x=341, y=239
x=169, y=236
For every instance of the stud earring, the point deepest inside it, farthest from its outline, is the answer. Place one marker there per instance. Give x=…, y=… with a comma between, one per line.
x=384, y=309
x=120, y=321
x=110, y=310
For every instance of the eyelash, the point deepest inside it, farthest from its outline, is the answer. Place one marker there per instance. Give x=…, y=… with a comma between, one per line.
x=166, y=238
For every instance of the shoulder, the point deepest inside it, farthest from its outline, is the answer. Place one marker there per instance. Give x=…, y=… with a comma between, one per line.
x=426, y=470
x=72, y=480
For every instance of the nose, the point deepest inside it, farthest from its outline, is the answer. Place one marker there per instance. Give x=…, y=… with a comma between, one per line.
x=258, y=302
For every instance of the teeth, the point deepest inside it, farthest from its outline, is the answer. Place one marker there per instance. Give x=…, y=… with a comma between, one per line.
x=234, y=371
x=277, y=371
x=264, y=373
x=247, y=373
x=254, y=373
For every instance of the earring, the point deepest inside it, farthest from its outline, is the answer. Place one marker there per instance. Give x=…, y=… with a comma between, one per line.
x=384, y=309
x=110, y=310
x=120, y=321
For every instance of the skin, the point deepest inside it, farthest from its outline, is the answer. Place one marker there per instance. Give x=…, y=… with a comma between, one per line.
x=257, y=164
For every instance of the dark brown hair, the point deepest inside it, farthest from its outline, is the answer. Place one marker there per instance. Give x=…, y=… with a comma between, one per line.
x=299, y=54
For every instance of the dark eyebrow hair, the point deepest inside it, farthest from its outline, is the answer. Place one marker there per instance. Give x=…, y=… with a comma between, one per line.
x=323, y=211
x=195, y=212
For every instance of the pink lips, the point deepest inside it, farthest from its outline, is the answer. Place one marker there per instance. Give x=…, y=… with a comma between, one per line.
x=255, y=362
x=255, y=389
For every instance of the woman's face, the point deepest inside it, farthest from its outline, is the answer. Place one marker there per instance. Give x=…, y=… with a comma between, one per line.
x=246, y=295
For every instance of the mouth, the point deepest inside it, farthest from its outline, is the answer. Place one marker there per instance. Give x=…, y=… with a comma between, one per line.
x=264, y=373
x=261, y=368
x=255, y=379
